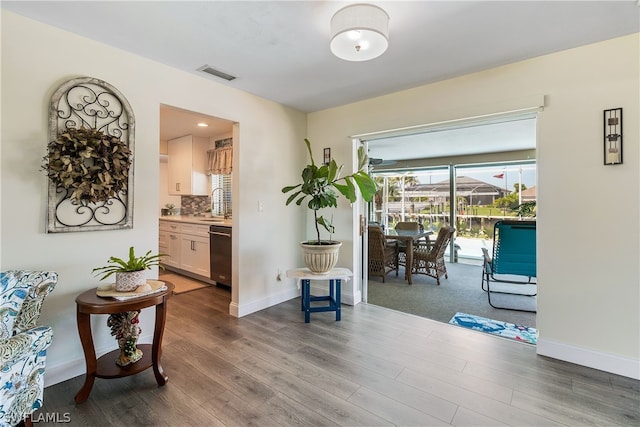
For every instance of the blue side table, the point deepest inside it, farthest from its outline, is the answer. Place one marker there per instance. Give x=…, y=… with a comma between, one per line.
x=304, y=276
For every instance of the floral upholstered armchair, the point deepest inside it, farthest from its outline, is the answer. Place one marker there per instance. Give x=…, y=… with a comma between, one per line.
x=23, y=345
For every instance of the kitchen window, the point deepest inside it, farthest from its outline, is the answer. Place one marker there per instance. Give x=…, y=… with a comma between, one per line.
x=221, y=201
x=220, y=161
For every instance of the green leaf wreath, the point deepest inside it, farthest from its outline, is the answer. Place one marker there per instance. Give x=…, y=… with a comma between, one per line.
x=93, y=165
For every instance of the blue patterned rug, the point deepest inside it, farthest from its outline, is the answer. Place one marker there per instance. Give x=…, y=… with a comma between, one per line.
x=495, y=327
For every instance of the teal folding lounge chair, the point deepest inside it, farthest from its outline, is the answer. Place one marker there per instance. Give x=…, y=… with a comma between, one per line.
x=513, y=259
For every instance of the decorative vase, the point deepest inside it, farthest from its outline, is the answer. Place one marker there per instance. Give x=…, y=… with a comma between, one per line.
x=130, y=280
x=320, y=258
x=124, y=326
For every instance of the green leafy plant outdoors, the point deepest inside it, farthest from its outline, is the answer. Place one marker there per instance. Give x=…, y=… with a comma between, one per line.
x=319, y=185
x=527, y=209
x=118, y=265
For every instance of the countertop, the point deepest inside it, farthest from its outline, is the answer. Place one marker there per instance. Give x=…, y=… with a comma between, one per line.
x=191, y=219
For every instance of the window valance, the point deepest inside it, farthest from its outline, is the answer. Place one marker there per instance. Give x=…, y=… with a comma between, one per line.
x=220, y=159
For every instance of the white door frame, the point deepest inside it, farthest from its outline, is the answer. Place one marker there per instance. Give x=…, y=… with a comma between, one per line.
x=360, y=236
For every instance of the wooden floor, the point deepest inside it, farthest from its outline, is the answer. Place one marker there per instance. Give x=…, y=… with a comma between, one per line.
x=375, y=367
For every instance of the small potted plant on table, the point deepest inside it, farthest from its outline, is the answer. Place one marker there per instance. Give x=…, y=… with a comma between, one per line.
x=130, y=273
x=130, y=276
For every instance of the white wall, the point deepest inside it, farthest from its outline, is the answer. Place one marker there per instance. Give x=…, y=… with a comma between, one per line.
x=588, y=259
x=36, y=59
x=588, y=227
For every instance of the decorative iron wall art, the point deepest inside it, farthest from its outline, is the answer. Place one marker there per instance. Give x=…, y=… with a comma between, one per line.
x=613, y=136
x=89, y=158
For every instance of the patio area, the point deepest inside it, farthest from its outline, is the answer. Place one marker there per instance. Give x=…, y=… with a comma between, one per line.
x=461, y=292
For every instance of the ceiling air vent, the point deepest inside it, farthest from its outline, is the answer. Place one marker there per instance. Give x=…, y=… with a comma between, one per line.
x=217, y=73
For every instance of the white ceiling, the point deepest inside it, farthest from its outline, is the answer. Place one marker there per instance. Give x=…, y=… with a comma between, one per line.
x=490, y=137
x=176, y=122
x=280, y=49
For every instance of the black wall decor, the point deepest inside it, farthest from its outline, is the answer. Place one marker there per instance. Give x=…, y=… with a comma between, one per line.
x=613, y=136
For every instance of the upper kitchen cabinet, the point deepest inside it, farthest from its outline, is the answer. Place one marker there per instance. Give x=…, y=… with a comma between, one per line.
x=187, y=164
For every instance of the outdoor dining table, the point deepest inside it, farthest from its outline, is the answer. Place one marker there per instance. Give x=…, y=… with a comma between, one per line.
x=409, y=237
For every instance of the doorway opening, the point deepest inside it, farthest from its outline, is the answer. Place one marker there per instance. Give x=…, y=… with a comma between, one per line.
x=468, y=177
x=196, y=187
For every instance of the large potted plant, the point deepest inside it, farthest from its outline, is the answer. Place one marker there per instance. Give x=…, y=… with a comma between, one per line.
x=321, y=186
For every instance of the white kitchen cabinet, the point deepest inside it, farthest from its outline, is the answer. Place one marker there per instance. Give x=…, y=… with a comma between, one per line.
x=170, y=244
x=195, y=254
x=195, y=249
x=187, y=166
x=187, y=246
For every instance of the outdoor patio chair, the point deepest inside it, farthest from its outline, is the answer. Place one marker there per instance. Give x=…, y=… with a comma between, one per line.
x=383, y=253
x=512, y=261
x=428, y=257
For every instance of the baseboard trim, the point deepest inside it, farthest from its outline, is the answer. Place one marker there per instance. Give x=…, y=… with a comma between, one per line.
x=64, y=371
x=261, y=304
x=55, y=374
x=234, y=309
x=607, y=362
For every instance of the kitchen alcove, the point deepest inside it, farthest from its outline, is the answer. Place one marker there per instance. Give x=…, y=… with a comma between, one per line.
x=188, y=146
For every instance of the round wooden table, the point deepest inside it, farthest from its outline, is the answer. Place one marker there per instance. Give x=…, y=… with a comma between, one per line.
x=89, y=303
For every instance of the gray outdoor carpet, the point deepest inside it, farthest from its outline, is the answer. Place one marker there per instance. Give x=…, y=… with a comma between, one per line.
x=461, y=292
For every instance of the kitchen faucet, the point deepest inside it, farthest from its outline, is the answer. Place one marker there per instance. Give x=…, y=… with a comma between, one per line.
x=225, y=212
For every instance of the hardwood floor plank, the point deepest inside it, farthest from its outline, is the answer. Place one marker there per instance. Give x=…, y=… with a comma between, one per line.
x=320, y=377
x=190, y=378
x=253, y=335
x=472, y=383
x=233, y=411
x=61, y=405
x=395, y=411
x=338, y=410
x=170, y=406
x=287, y=412
x=364, y=358
x=402, y=351
x=428, y=403
x=467, y=418
x=229, y=376
x=565, y=412
x=629, y=385
x=468, y=399
x=375, y=367
x=616, y=399
x=553, y=389
x=484, y=347
x=544, y=383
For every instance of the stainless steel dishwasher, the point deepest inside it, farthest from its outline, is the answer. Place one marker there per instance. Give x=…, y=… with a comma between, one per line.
x=220, y=254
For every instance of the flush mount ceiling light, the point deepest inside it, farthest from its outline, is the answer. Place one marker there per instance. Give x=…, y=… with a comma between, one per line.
x=359, y=32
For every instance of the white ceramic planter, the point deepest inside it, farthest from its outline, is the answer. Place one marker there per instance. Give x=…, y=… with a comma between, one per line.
x=130, y=280
x=320, y=259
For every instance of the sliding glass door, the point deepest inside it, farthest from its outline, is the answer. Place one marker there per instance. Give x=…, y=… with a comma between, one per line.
x=469, y=197
x=485, y=194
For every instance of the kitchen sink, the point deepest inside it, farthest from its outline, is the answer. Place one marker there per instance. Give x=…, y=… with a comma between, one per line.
x=213, y=220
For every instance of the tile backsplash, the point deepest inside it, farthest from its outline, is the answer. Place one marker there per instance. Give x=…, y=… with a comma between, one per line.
x=192, y=205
